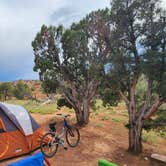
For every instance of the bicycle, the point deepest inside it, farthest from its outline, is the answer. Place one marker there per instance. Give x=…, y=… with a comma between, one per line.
x=51, y=140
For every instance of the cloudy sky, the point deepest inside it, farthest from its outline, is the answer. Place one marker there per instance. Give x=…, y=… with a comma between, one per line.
x=20, y=20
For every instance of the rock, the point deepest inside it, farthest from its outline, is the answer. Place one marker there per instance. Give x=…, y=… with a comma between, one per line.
x=145, y=158
x=122, y=155
x=159, y=157
x=125, y=165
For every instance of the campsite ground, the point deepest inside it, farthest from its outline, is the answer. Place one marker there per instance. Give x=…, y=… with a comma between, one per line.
x=105, y=137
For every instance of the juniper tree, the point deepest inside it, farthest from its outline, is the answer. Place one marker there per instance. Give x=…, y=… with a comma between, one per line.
x=136, y=25
x=72, y=60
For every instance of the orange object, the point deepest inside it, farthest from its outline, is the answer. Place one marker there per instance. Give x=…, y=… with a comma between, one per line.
x=19, y=132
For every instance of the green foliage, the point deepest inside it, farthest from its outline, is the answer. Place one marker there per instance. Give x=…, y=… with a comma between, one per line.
x=63, y=102
x=133, y=30
x=116, y=120
x=158, y=123
x=6, y=90
x=49, y=86
x=109, y=96
x=21, y=90
x=105, y=117
x=150, y=137
x=71, y=60
x=43, y=109
x=141, y=89
x=36, y=107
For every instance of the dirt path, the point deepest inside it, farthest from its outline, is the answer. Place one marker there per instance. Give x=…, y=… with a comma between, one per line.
x=100, y=139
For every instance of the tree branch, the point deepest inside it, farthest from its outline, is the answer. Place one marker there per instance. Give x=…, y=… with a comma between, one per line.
x=153, y=109
x=145, y=105
x=124, y=97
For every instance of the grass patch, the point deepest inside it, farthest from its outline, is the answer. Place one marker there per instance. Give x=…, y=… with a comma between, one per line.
x=35, y=107
x=45, y=109
x=150, y=136
x=124, y=114
x=104, y=117
x=112, y=112
x=116, y=120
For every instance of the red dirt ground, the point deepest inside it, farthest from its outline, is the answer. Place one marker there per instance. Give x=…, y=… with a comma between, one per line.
x=100, y=139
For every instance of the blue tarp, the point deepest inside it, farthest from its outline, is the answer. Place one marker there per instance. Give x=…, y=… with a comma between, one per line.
x=35, y=160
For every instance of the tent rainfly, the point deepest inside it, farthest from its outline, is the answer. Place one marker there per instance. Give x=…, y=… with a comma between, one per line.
x=19, y=132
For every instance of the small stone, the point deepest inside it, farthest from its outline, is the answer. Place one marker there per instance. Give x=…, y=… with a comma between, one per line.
x=125, y=165
x=122, y=155
x=145, y=158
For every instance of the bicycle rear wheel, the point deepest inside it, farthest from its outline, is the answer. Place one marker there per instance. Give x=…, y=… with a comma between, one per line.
x=48, y=145
x=72, y=136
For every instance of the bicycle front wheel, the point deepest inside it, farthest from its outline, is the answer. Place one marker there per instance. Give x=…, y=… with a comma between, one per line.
x=48, y=145
x=72, y=136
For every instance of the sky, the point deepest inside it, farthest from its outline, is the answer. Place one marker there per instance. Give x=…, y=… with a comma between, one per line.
x=20, y=20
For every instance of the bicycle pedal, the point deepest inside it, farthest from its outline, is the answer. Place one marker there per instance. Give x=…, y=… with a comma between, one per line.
x=65, y=148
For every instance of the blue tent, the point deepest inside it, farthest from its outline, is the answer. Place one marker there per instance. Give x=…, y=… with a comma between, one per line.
x=35, y=160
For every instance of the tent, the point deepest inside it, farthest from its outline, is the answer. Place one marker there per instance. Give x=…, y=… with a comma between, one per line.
x=19, y=132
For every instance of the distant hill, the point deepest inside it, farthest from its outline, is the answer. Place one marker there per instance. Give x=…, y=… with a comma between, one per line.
x=35, y=86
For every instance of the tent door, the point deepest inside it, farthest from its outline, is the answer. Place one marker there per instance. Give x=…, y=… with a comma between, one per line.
x=4, y=144
x=2, y=127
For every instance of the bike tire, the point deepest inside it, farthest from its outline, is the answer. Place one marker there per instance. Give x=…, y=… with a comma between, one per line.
x=73, y=132
x=48, y=141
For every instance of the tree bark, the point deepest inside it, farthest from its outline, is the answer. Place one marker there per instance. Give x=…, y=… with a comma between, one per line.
x=79, y=117
x=81, y=105
x=135, y=140
x=82, y=115
x=86, y=112
x=135, y=124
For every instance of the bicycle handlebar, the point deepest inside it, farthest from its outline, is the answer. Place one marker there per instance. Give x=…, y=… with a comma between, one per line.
x=65, y=116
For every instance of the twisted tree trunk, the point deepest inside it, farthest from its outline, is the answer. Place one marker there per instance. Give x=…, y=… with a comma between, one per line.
x=82, y=115
x=135, y=139
x=81, y=104
x=136, y=120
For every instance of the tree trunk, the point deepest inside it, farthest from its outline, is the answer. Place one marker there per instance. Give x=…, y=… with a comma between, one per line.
x=135, y=125
x=5, y=94
x=86, y=111
x=79, y=117
x=82, y=115
x=135, y=137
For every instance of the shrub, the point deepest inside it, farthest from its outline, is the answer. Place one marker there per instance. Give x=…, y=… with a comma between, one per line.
x=63, y=102
x=150, y=136
x=158, y=123
x=21, y=90
x=105, y=118
x=116, y=120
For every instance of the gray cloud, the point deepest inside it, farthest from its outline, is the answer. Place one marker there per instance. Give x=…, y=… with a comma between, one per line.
x=20, y=20
x=65, y=16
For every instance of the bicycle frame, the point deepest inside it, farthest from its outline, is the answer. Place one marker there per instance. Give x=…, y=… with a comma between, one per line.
x=65, y=124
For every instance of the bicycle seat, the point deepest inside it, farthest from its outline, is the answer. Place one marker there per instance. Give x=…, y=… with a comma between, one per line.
x=52, y=126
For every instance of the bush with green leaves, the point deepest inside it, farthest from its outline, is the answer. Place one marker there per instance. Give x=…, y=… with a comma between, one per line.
x=21, y=90
x=158, y=123
x=63, y=102
x=5, y=90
